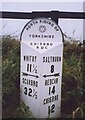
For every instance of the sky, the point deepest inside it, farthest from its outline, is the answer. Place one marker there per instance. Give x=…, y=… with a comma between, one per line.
x=72, y=28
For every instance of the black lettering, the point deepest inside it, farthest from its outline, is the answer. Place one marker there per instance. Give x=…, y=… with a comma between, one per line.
x=43, y=59
x=42, y=47
x=30, y=82
x=37, y=47
x=50, y=99
x=49, y=59
x=46, y=47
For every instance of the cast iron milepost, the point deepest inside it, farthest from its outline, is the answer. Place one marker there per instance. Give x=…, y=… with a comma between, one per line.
x=54, y=15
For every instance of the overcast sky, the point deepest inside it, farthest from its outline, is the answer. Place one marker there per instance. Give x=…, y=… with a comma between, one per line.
x=73, y=28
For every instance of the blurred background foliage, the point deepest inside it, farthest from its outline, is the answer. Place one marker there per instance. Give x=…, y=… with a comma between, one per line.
x=73, y=104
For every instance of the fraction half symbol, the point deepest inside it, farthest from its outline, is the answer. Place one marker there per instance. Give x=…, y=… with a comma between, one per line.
x=34, y=93
x=34, y=68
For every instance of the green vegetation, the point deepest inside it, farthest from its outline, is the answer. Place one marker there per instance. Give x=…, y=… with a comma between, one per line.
x=10, y=76
x=73, y=88
x=73, y=80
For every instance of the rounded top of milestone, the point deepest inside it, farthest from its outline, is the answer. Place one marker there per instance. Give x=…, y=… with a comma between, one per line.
x=42, y=29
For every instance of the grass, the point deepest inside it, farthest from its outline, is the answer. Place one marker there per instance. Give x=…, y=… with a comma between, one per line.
x=73, y=88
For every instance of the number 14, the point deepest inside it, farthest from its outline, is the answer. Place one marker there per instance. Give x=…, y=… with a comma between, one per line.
x=52, y=90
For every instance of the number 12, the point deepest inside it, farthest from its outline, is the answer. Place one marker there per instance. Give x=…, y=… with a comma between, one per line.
x=51, y=109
